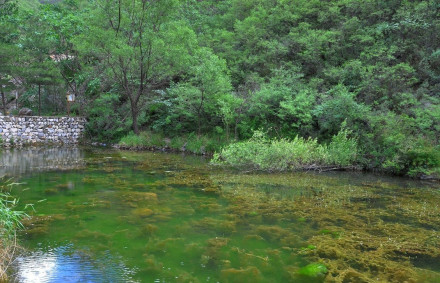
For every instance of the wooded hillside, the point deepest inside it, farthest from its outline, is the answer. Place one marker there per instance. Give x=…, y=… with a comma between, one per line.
x=225, y=69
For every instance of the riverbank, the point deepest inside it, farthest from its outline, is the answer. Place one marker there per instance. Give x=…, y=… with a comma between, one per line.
x=8, y=252
x=261, y=153
x=200, y=145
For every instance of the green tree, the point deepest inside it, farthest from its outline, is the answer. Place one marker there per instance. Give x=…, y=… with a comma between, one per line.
x=337, y=106
x=141, y=44
x=9, y=51
x=37, y=66
x=207, y=82
x=229, y=110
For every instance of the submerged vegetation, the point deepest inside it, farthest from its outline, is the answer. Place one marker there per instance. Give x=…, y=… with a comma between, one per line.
x=142, y=216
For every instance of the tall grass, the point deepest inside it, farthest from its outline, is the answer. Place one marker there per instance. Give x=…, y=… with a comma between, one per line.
x=10, y=222
x=283, y=154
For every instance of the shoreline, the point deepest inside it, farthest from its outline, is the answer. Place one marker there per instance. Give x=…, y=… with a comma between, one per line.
x=207, y=154
x=319, y=169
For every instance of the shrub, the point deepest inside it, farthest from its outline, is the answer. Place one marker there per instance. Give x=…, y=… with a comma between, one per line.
x=422, y=160
x=259, y=152
x=342, y=150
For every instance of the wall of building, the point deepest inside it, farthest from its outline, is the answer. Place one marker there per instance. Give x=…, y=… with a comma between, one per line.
x=17, y=131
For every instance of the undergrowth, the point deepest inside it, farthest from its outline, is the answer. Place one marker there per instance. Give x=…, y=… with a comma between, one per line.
x=263, y=153
x=189, y=143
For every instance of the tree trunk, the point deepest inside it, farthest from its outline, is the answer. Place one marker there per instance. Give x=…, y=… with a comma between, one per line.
x=199, y=124
x=3, y=100
x=39, y=99
x=199, y=114
x=236, y=129
x=134, y=115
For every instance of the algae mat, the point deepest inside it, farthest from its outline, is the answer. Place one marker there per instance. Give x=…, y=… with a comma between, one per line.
x=151, y=217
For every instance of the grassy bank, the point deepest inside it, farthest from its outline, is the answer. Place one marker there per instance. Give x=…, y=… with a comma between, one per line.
x=272, y=154
x=10, y=222
x=262, y=153
x=191, y=143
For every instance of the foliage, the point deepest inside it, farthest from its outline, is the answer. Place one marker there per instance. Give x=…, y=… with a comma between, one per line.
x=342, y=150
x=133, y=140
x=191, y=143
x=222, y=69
x=105, y=121
x=10, y=219
x=338, y=106
x=141, y=45
x=422, y=160
x=263, y=153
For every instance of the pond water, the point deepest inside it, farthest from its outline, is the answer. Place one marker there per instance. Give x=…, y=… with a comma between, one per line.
x=114, y=216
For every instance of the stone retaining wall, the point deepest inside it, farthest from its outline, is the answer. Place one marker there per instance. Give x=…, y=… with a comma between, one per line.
x=17, y=131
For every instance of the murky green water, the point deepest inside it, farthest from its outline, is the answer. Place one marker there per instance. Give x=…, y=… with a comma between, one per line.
x=109, y=216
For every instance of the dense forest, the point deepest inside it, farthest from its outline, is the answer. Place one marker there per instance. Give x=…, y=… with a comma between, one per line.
x=222, y=71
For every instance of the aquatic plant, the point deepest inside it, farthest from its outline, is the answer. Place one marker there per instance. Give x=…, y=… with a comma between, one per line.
x=313, y=270
x=10, y=219
x=10, y=222
x=157, y=214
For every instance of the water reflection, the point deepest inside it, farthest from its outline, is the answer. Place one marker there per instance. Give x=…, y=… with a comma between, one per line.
x=65, y=264
x=18, y=162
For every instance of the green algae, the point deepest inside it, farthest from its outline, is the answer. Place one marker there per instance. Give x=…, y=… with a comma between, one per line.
x=313, y=270
x=177, y=220
x=142, y=212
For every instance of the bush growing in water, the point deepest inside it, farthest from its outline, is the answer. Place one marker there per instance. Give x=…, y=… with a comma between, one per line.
x=263, y=153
